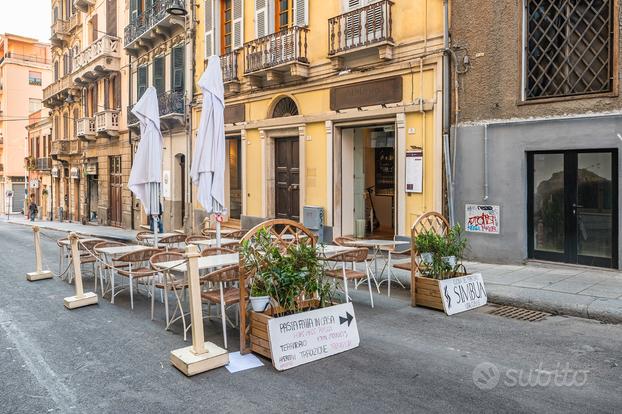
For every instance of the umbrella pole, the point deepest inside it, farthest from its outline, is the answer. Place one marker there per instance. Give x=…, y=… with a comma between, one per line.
x=218, y=236
x=155, y=220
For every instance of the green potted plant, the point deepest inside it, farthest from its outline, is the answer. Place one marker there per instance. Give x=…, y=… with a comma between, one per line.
x=259, y=296
x=427, y=244
x=453, y=247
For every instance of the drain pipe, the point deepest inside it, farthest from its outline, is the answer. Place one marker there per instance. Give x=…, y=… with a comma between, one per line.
x=129, y=69
x=485, y=162
x=447, y=114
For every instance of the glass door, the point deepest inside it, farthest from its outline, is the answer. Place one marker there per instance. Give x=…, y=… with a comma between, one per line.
x=573, y=207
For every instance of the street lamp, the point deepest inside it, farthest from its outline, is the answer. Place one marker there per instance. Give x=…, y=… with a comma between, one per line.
x=177, y=9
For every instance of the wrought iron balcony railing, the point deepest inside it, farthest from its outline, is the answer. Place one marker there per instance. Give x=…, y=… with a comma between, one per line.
x=149, y=19
x=171, y=103
x=276, y=49
x=43, y=164
x=229, y=65
x=104, y=46
x=24, y=58
x=131, y=118
x=360, y=27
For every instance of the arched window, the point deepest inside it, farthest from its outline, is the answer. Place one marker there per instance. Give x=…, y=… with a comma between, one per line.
x=285, y=107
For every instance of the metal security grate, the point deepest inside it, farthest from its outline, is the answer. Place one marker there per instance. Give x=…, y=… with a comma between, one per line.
x=568, y=47
x=519, y=313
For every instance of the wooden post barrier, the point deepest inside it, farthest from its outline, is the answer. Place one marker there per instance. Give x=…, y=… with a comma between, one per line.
x=81, y=298
x=39, y=273
x=201, y=356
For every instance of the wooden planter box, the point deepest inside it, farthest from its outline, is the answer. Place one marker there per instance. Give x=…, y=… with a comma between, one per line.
x=260, y=340
x=428, y=293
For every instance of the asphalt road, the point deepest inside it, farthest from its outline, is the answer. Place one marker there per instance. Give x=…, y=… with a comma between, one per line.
x=106, y=358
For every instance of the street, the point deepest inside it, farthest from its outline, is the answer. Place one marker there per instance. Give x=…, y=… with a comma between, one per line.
x=106, y=358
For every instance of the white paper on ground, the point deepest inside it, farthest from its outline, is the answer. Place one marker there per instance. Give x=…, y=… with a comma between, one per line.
x=239, y=362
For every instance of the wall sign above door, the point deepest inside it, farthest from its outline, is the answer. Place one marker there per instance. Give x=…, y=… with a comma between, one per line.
x=376, y=92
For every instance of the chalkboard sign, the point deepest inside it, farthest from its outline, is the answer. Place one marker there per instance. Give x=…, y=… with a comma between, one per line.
x=308, y=336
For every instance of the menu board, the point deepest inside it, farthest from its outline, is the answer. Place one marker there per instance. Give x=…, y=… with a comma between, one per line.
x=308, y=336
x=414, y=171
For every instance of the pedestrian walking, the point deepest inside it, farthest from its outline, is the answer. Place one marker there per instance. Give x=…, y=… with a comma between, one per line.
x=33, y=210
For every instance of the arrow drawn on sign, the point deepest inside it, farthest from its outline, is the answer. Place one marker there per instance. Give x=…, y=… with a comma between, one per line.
x=348, y=319
x=448, y=298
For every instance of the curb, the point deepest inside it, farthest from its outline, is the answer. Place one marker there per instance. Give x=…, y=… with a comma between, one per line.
x=85, y=233
x=557, y=303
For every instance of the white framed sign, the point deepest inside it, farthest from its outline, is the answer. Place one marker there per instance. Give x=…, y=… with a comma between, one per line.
x=463, y=293
x=481, y=218
x=166, y=184
x=414, y=171
x=306, y=337
x=34, y=183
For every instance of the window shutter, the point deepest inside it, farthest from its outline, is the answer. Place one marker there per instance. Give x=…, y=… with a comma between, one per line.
x=133, y=10
x=158, y=74
x=178, y=68
x=301, y=13
x=261, y=18
x=238, y=24
x=209, y=28
x=142, y=82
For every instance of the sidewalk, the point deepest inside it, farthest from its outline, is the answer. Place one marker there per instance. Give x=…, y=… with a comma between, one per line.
x=113, y=233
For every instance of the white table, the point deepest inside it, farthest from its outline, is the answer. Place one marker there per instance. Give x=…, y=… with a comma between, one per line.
x=206, y=262
x=328, y=250
x=377, y=246
x=212, y=242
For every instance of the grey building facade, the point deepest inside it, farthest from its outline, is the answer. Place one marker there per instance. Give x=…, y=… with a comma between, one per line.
x=537, y=128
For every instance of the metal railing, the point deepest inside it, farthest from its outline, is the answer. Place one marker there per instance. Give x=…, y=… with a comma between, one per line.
x=229, y=65
x=85, y=127
x=360, y=27
x=286, y=46
x=43, y=164
x=131, y=118
x=24, y=58
x=171, y=102
x=107, y=120
x=149, y=19
x=104, y=46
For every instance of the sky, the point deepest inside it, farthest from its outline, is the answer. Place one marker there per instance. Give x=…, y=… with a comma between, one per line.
x=29, y=18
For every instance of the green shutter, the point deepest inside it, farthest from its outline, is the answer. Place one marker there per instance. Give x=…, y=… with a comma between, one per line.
x=178, y=68
x=158, y=74
x=142, y=81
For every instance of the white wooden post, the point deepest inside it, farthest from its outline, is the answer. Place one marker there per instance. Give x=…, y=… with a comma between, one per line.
x=39, y=273
x=201, y=356
x=81, y=298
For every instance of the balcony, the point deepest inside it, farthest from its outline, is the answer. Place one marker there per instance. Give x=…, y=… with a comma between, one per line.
x=43, y=164
x=229, y=66
x=107, y=123
x=172, y=110
x=60, y=32
x=56, y=94
x=361, y=32
x=65, y=148
x=86, y=128
x=74, y=21
x=18, y=57
x=276, y=55
x=153, y=24
x=83, y=5
x=97, y=60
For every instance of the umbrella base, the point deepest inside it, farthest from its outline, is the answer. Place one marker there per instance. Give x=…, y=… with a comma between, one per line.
x=89, y=298
x=44, y=274
x=185, y=360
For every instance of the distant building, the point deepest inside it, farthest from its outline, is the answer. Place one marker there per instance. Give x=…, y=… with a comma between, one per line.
x=24, y=72
x=39, y=161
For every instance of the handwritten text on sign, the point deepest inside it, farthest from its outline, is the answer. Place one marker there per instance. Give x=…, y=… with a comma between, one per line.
x=481, y=219
x=463, y=293
x=309, y=336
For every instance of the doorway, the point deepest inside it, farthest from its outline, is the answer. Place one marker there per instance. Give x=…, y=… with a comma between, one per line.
x=573, y=207
x=368, y=181
x=233, y=178
x=116, y=187
x=287, y=176
x=92, y=197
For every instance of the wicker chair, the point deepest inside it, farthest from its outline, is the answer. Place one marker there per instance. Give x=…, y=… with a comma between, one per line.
x=215, y=251
x=192, y=239
x=138, y=270
x=144, y=237
x=237, y=234
x=102, y=268
x=354, y=256
x=174, y=243
x=167, y=281
x=226, y=294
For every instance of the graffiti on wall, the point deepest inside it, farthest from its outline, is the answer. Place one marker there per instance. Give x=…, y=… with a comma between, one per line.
x=481, y=218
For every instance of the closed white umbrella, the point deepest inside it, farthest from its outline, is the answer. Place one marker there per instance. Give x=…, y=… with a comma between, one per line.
x=146, y=173
x=208, y=161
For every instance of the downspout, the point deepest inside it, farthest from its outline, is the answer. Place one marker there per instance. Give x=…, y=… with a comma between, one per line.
x=485, y=162
x=447, y=113
x=129, y=95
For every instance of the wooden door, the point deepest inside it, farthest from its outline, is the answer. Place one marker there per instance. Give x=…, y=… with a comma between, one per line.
x=116, y=185
x=287, y=174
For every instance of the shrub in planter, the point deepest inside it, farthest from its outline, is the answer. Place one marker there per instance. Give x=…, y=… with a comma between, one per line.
x=427, y=244
x=448, y=254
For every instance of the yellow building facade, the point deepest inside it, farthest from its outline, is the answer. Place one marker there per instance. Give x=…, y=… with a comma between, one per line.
x=334, y=104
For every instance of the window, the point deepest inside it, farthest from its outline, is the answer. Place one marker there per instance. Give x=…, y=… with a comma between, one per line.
x=177, y=60
x=226, y=26
x=284, y=14
x=142, y=81
x=34, y=105
x=568, y=48
x=158, y=74
x=55, y=71
x=34, y=78
x=93, y=32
